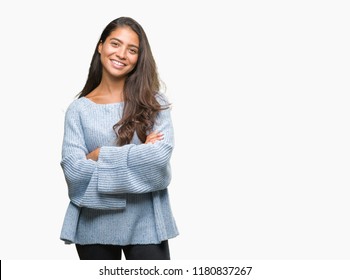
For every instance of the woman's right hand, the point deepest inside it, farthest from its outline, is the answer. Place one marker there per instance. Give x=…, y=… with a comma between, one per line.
x=93, y=155
x=153, y=137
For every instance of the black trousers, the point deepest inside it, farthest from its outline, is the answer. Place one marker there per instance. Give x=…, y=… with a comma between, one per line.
x=131, y=252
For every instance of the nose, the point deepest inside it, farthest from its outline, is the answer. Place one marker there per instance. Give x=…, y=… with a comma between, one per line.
x=121, y=53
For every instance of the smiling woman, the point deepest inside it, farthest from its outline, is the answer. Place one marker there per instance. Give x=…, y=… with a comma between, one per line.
x=117, y=144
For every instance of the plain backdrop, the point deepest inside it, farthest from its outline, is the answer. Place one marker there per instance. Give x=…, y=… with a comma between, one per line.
x=260, y=93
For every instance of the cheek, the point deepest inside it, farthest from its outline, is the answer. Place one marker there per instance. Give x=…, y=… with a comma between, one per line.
x=104, y=55
x=133, y=60
x=107, y=51
x=103, y=59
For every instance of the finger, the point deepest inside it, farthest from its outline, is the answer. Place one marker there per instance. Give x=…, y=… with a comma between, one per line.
x=154, y=135
x=156, y=138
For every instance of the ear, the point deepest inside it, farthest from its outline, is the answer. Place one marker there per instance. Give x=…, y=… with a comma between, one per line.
x=99, y=47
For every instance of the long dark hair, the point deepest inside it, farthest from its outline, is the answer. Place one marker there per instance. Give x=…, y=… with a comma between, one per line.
x=140, y=89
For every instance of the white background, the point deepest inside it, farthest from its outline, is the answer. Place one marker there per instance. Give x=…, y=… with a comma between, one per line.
x=260, y=93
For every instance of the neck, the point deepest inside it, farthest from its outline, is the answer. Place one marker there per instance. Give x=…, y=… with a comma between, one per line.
x=111, y=88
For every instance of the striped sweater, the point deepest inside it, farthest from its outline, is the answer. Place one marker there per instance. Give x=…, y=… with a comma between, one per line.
x=122, y=198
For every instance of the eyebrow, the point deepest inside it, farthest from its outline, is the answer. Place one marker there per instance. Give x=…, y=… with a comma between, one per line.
x=120, y=41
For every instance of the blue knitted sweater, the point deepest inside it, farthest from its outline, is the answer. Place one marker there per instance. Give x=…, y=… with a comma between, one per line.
x=122, y=198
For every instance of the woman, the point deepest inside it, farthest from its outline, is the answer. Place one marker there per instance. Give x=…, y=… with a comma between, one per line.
x=117, y=145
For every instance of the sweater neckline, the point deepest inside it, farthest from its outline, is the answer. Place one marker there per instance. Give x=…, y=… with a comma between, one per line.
x=102, y=104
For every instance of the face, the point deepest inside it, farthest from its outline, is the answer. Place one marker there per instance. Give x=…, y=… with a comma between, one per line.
x=119, y=52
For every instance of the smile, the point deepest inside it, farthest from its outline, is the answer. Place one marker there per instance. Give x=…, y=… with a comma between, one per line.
x=117, y=63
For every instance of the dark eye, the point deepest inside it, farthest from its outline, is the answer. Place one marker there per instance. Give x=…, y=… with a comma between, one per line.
x=115, y=44
x=133, y=51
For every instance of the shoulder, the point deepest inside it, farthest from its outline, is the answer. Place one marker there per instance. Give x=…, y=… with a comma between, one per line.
x=163, y=100
x=165, y=107
x=76, y=109
x=77, y=106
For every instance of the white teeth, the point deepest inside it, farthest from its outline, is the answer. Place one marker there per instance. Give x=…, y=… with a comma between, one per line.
x=118, y=63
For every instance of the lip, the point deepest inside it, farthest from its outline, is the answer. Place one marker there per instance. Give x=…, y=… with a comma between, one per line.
x=117, y=64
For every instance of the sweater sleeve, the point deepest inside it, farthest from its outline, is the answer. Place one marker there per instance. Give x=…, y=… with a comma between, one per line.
x=138, y=168
x=81, y=173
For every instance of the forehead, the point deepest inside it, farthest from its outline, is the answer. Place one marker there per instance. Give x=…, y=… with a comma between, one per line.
x=125, y=34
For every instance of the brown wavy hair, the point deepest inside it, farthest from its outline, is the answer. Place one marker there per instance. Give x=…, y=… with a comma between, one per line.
x=140, y=89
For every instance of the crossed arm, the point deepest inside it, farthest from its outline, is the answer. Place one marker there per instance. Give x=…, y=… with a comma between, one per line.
x=152, y=138
x=100, y=178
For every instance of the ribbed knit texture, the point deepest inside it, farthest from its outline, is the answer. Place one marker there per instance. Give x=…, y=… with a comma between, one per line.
x=122, y=198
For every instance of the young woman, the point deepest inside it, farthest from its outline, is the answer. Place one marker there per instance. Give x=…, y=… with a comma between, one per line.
x=117, y=144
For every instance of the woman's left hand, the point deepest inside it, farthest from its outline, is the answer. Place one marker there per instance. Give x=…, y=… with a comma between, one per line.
x=153, y=137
